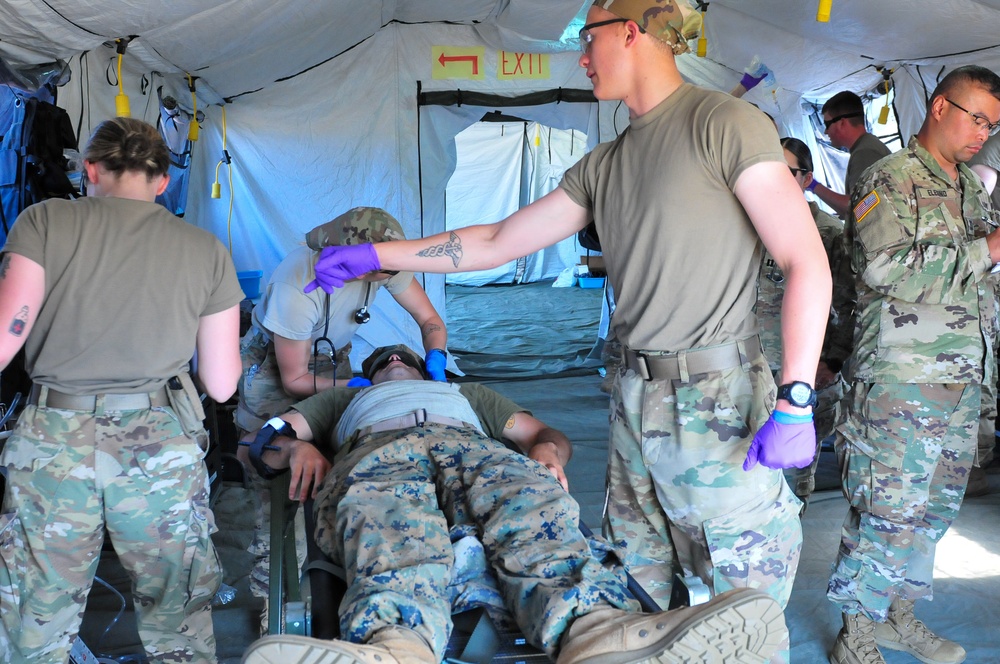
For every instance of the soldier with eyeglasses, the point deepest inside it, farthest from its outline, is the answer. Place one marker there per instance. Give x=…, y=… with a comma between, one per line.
x=924, y=249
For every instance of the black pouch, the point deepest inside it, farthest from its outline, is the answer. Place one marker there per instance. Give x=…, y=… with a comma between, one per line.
x=186, y=403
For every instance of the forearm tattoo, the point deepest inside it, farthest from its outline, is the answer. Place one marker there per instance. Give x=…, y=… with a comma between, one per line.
x=19, y=322
x=453, y=248
x=4, y=266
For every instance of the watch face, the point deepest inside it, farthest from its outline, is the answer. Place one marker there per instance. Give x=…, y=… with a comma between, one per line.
x=800, y=393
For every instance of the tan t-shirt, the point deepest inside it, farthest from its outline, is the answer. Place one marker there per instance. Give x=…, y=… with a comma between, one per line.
x=323, y=411
x=286, y=310
x=126, y=283
x=680, y=250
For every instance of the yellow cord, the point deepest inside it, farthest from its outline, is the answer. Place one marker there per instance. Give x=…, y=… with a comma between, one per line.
x=702, y=38
x=823, y=11
x=193, y=127
x=883, y=116
x=122, y=108
x=217, y=188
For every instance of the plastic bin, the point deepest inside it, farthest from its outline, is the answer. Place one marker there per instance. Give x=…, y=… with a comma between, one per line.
x=250, y=282
x=591, y=282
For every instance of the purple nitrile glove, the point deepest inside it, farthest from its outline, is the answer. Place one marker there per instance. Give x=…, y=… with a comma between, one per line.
x=341, y=263
x=358, y=381
x=749, y=81
x=812, y=185
x=435, y=362
x=785, y=441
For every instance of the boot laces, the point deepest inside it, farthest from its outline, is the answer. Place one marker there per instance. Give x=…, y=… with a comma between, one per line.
x=864, y=639
x=915, y=628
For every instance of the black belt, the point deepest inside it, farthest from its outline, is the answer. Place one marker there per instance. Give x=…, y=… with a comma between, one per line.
x=46, y=397
x=415, y=419
x=683, y=365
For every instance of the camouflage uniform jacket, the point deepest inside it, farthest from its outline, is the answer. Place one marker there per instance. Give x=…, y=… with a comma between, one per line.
x=925, y=293
x=771, y=284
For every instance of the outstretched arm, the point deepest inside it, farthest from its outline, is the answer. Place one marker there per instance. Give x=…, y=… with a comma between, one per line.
x=546, y=221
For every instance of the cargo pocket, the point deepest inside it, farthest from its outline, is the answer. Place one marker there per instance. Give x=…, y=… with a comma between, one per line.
x=886, y=430
x=201, y=557
x=12, y=571
x=757, y=545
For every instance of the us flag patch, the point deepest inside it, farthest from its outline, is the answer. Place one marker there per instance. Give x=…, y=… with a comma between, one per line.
x=866, y=205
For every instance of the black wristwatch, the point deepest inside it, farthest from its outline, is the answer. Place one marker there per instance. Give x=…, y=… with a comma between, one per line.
x=273, y=428
x=797, y=393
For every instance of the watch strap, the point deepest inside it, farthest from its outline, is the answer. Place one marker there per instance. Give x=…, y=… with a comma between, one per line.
x=263, y=441
x=785, y=392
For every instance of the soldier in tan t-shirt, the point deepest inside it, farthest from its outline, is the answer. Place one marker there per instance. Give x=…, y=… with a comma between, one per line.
x=684, y=200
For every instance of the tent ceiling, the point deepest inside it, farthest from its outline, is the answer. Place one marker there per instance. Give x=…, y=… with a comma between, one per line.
x=818, y=59
x=238, y=46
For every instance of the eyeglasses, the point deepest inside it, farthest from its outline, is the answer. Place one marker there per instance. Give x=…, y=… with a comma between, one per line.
x=383, y=361
x=828, y=123
x=798, y=171
x=980, y=121
x=586, y=38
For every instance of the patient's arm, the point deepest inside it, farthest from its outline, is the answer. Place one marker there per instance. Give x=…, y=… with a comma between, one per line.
x=546, y=445
x=308, y=465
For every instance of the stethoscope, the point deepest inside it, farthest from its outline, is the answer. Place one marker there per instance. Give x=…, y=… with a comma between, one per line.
x=361, y=316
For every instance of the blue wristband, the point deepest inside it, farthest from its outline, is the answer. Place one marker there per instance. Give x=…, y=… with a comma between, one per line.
x=787, y=418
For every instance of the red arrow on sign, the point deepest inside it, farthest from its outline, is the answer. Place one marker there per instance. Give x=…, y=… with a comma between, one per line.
x=444, y=59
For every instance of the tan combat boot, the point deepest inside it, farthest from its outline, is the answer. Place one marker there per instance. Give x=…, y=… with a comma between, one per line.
x=856, y=642
x=390, y=645
x=743, y=625
x=902, y=631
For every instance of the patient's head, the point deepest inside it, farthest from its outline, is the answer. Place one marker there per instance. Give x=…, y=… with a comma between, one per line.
x=398, y=362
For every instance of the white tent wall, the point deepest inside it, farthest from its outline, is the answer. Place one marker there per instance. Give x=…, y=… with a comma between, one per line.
x=337, y=136
x=501, y=167
x=485, y=187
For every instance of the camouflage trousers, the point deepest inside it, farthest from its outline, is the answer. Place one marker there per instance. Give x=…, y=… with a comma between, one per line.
x=987, y=435
x=679, y=500
x=261, y=397
x=73, y=475
x=391, y=509
x=905, y=452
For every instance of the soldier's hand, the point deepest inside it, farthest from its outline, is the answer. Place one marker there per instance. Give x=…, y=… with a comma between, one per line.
x=341, y=263
x=309, y=467
x=783, y=442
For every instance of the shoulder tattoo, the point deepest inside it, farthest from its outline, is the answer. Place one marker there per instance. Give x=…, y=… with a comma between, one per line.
x=19, y=322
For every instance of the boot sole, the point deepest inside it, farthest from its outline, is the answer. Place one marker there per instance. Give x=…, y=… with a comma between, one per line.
x=746, y=629
x=292, y=649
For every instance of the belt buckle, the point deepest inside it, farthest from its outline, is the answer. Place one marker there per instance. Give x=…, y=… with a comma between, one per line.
x=642, y=366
